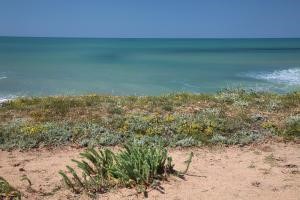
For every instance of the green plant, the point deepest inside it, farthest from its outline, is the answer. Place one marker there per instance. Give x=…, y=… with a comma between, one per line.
x=244, y=137
x=293, y=126
x=138, y=165
x=167, y=107
x=95, y=176
x=187, y=142
x=7, y=191
x=142, y=165
x=115, y=109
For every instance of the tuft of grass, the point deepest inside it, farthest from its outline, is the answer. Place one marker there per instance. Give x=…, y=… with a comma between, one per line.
x=140, y=166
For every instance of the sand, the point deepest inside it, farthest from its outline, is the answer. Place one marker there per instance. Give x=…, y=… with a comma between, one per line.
x=264, y=171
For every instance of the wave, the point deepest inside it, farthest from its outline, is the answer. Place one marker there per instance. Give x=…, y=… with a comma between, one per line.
x=3, y=75
x=2, y=100
x=6, y=98
x=286, y=76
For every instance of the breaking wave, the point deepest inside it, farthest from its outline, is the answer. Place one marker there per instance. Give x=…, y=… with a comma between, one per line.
x=2, y=75
x=6, y=98
x=286, y=76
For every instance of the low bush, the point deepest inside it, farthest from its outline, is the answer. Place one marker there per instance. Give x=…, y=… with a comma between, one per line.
x=138, y=165
x=293, y=126
x=24, y=135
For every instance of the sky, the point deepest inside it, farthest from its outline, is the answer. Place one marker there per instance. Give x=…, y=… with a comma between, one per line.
x=150, y=18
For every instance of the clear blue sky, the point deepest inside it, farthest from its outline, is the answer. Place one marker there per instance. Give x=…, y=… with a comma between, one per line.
x=150, y=18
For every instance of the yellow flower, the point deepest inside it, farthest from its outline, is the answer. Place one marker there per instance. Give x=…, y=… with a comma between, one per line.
x=195, y=126
x=267, y=125
x=169, y=118
x=32, y=130
x=150, y=131
x=209, y=130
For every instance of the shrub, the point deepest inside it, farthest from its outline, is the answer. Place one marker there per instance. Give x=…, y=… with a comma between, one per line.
x=138, y=165
x=111, y=139
x=187, y=142
x=244, y=137
x=115, y=109
x=202, y=125
x=218, y=139
x=23, y=135
x=167, y=107
x=274, y=104
x=291, y=100
x=142, y=165
x=95, y=176
x=151, y=140
x=240, y=103
x=293, y=126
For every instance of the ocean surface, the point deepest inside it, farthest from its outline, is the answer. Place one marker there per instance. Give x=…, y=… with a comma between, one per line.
x=66, y=66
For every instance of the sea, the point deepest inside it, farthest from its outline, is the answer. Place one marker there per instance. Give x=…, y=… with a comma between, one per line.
x=40, y=66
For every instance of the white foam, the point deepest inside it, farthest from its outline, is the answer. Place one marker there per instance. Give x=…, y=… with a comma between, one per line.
x=3, y=75
x=6, y=98
x=286, y=76
x=2, y=100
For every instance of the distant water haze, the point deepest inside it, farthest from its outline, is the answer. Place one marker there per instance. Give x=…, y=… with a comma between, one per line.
x=65, y=66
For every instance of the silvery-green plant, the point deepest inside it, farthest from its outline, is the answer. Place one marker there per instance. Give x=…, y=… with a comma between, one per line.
x=138, y=165
x=293, y=126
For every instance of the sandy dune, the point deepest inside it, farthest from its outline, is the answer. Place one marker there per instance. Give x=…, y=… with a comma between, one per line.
x=265, y=171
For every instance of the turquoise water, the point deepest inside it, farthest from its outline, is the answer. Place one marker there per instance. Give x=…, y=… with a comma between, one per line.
x=55, y=66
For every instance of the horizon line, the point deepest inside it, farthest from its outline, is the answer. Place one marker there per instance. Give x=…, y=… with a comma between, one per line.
x=75, y=37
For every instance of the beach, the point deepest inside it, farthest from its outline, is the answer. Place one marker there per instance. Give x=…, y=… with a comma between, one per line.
x=158, y=100
x=140, y=111
x=241, y=144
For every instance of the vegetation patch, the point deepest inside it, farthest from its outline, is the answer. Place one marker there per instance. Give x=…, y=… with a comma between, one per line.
x=293, y=126
x=228, y=117
x=138, y=165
